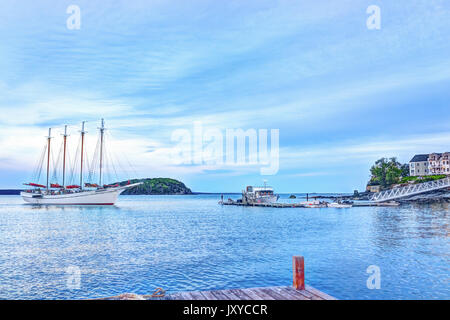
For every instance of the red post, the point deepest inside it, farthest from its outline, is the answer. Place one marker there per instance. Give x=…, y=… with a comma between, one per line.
x=298, y=266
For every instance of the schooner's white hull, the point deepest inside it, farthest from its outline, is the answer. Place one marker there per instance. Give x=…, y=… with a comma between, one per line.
x=94, y=197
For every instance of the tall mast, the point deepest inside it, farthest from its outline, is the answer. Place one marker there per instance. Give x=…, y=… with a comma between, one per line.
x=102, y=129
x=82, y=148
x=48, y=154
x=64, y=157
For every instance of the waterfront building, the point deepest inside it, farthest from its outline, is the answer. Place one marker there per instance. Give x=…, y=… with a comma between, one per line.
x=430, y=164
x=439, y=163
x=445, y=160
x=418, y=166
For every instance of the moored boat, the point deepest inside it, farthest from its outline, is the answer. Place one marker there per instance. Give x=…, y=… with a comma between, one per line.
x=388, y=204
x=264, y=194
x=313, y=204
x=101, y=196
x=338, y=205
x=90, y=193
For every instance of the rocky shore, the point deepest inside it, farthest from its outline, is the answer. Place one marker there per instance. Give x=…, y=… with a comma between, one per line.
x=429, y=197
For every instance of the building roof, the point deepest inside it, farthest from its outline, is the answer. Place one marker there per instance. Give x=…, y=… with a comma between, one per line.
x=420, y=158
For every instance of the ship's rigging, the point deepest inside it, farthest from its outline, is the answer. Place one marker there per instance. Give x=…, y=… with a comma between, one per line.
x=64, y=173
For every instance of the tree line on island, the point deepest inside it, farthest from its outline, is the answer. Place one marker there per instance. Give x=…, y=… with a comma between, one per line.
x=156, y=186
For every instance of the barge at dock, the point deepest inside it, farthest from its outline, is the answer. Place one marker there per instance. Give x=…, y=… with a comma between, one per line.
x=263, y=194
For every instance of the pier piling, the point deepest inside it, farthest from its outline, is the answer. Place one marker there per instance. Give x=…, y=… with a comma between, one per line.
x=298, y=268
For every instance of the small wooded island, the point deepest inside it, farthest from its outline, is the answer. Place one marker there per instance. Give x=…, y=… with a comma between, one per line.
x=156, y=186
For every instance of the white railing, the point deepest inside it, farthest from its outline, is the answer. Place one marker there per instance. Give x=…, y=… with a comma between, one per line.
x=411, y=190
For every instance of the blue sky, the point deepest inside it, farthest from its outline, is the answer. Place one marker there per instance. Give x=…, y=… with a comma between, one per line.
x=341, y=95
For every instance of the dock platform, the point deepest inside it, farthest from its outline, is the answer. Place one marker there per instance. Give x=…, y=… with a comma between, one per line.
x=299, y=291
x=271, y=205
x=300, y=205
x=265, y=293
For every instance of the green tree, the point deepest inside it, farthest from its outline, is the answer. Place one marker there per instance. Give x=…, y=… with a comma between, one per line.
x=386, y=172
x=405, y=170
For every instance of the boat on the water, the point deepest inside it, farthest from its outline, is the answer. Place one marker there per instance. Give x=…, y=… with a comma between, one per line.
x=89, y=193
x=262, y=194
x=388, y=204
x=313, y=204
x=339, y=205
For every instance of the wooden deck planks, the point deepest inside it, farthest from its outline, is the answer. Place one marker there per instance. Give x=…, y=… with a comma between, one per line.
x=302, y=294
x=231, y=295
x=186, y=296
x=293, y=293
x=275, y=293
x=259, y=293
x=289, y=294
x=220, y=295
x=197, y=295
x=321, y=294
x=208, y=295
x=264, y=293
x=241, y=294
x=268, y=293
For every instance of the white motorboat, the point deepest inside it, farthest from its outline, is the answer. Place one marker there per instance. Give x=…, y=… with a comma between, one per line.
x=388, y=204
x=313, y=204
x=54, y=193
x=339, y=205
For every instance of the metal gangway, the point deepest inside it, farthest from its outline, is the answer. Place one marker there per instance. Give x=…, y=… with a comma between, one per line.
x=411, y=190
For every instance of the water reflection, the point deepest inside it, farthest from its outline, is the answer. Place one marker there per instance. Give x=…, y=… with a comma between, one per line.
x=62, y=208
x=192, y=243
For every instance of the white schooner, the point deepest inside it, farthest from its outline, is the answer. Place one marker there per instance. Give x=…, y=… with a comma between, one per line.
x=54, y=193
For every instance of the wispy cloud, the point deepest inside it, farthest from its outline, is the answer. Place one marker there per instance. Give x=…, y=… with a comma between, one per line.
x=338, y=92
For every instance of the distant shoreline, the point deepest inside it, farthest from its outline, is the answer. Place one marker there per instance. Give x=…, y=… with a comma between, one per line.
x=17, y=192
x=428, y=198
x=10, y=191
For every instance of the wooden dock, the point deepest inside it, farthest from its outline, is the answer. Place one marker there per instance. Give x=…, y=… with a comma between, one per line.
x=300, y=205
x=299, y=291
x=265, y=293
x=270, y=205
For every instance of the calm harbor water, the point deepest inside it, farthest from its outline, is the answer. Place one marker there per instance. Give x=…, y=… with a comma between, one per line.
x=184, y=243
